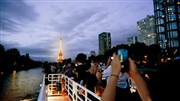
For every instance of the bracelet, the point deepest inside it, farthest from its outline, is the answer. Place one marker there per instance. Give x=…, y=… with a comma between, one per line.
x=114, y=75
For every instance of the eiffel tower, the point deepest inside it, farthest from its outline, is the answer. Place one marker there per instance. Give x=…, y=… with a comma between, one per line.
x=60, y=55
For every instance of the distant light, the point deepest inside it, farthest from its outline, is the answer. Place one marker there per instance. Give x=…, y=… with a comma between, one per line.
x=169, y=8
x=168, y=58
x=145, y=56
x=162, y=60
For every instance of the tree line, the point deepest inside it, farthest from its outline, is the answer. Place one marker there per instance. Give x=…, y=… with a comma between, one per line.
x=11, y=60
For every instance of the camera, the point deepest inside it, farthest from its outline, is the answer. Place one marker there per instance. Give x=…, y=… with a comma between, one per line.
x=123, y=58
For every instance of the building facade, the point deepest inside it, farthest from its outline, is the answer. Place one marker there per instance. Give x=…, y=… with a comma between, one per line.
x=92, y=53
x=104, y=42
x=132, y=40
x=146, y=30
x=167, y=15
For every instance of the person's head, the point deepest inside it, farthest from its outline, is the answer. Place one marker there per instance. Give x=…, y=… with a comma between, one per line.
x=94, y=68
x=72, y=67
x=81, y=57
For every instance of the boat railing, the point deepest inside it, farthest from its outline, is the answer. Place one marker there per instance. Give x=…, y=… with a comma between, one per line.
x=54, y=86
x=42, y=92
x=73, y=88
x=59, y=83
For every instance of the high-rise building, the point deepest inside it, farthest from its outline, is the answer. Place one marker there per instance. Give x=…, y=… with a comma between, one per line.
x=167, y=15
x=104, y=42
x=132, y=40
x=146, y=30
x=92, y=53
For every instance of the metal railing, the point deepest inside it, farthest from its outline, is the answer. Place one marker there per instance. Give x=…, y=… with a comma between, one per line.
x=72, y=88
x=54, y=86
x=59, y=83
x=42, y=93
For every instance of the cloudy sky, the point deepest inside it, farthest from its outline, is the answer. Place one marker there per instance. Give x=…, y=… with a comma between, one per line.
x=35, y=26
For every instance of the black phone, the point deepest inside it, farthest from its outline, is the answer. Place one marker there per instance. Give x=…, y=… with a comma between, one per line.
x=123, y=57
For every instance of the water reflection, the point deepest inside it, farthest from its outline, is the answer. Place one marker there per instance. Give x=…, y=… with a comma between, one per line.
x=21, y=85
x=13, y=80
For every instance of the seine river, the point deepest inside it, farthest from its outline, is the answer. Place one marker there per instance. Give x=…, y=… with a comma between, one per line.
x=21, y=86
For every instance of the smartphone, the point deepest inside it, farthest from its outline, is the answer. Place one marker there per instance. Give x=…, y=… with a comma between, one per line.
x=123, y=58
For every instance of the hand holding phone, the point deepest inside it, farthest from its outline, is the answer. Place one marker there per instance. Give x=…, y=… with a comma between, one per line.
x=123, y=57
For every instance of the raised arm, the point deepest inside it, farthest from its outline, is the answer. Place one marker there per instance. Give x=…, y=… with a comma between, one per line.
x=110, y=90
x=139, y=81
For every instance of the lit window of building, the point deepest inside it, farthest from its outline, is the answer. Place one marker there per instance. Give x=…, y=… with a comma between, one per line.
x=104, y=42
x=167, y=24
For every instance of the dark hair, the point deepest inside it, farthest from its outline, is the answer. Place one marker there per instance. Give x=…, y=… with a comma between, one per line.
x=123, y=46
x=87, y=65
x=73, y=65
x=81, y=57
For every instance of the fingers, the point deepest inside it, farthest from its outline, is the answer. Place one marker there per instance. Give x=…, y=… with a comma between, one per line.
x=132, y=68
x=115, y=56
x=116, y=66
x=115, y=59
x=131, y=62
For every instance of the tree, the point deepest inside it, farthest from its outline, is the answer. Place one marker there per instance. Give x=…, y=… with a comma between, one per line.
x=2, y=58
x=137, y=51
x=12, y=56
x=2, y=49
x=154, y=52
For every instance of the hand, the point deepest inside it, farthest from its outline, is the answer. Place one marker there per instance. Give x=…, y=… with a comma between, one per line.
x=133, y=71
x=116, y=65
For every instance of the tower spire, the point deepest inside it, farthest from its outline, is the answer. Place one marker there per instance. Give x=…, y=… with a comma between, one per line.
x=60, y=55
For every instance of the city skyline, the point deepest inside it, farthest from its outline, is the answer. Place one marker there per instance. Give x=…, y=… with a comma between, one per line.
x=35, y=27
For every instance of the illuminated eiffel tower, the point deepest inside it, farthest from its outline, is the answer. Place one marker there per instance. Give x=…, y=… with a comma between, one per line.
x=60, y=55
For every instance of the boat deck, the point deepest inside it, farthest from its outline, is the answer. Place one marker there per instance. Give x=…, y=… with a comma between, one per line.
x=56, y=98
x=61, y=97
x=63, y=88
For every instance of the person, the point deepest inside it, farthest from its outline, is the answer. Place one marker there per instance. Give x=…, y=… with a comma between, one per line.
x=70, y=72
x=80, y=69
x=107, y=69
x=110, y=90
x=47, y=70
x=90, y=80
x=122, y=90
x=96, y=70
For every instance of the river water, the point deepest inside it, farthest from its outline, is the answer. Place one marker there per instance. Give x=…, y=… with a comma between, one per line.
x=21, y=86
